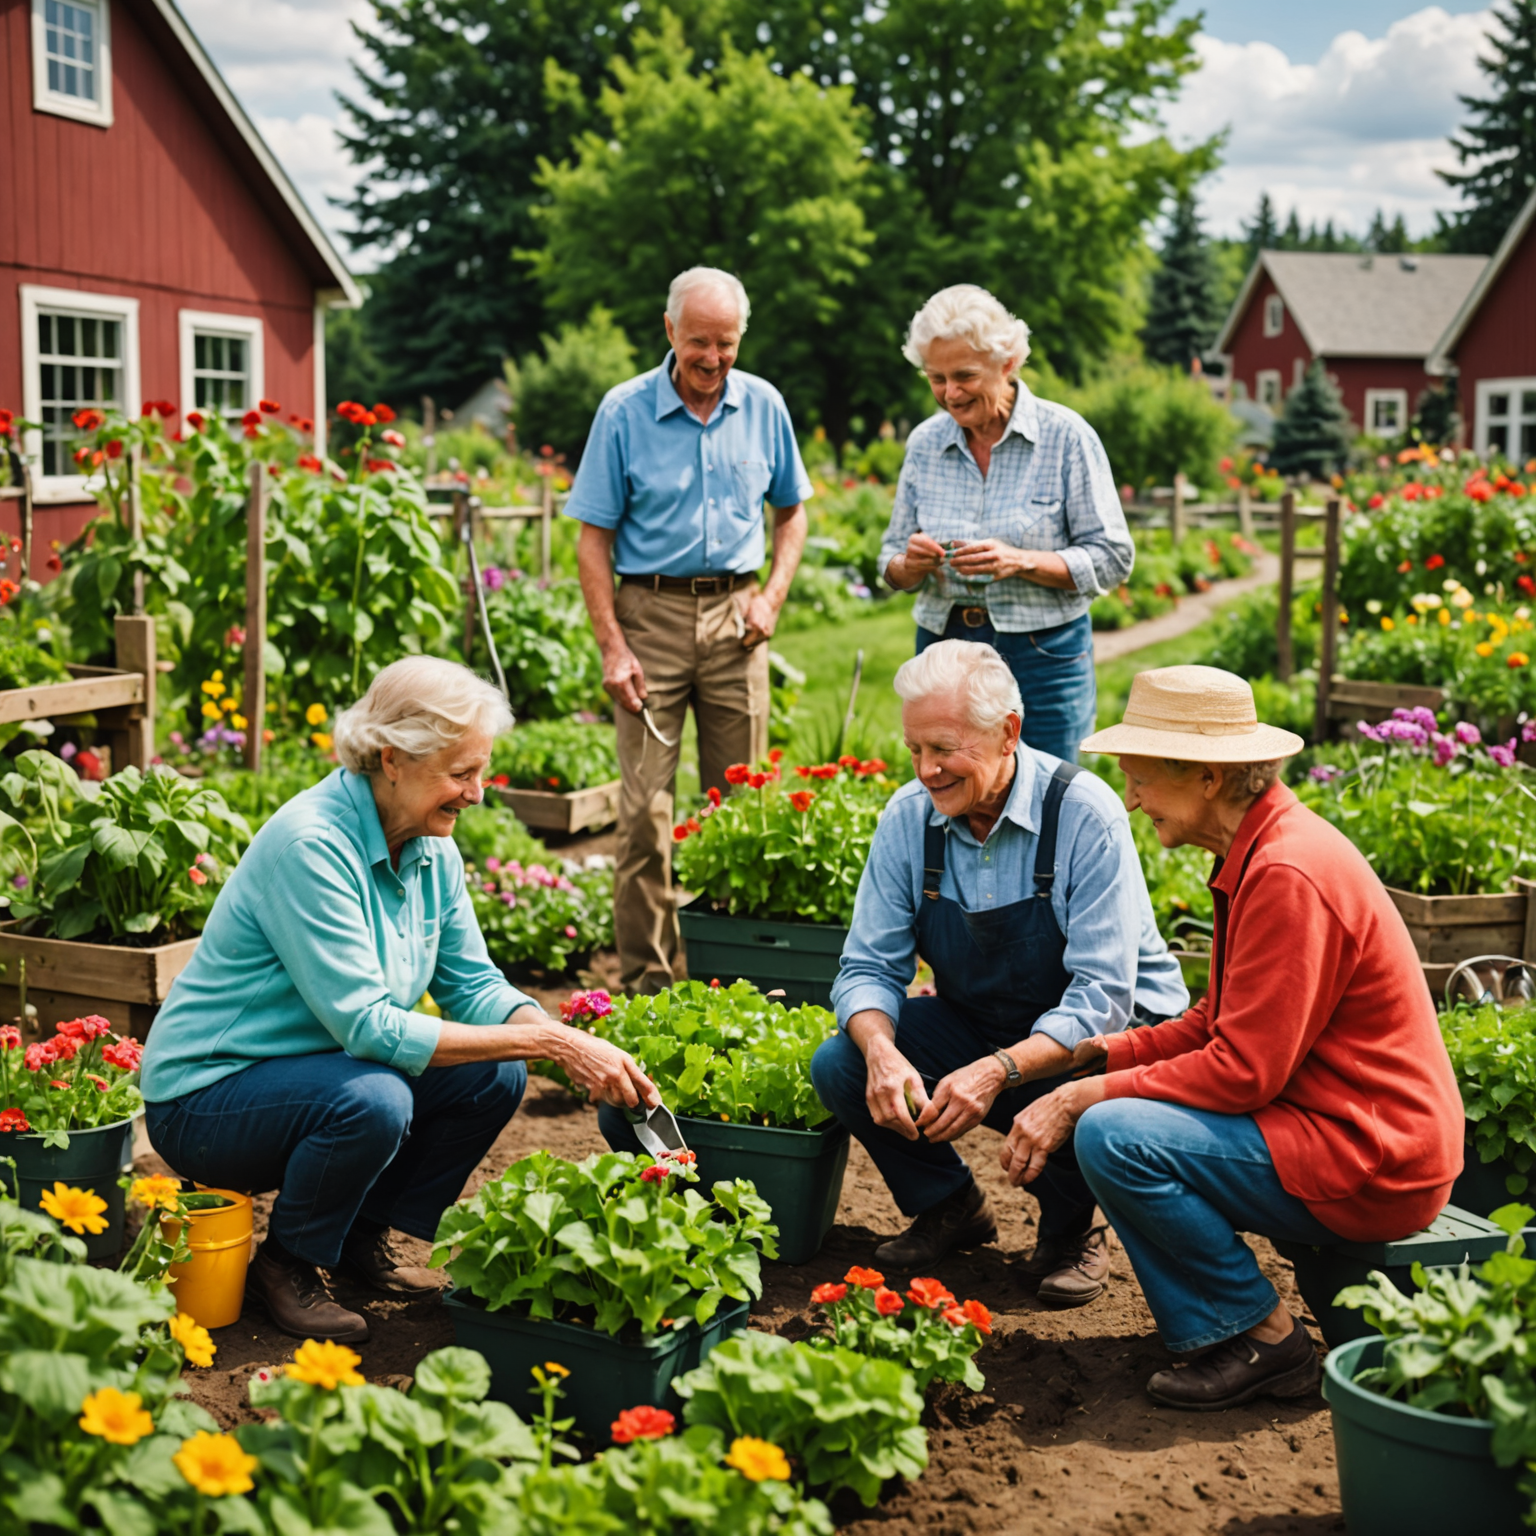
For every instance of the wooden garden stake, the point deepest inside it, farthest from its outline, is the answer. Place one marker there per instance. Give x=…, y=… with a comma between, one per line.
x=133, y=735
x=135, y=521
x=1245, y=512
x=1287, y=580
x=1176, y=516
x=1328, y=648
x=255, y=691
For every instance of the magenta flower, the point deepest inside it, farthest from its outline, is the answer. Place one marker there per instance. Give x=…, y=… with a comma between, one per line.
x=493, y=864
x=1467, y=733
x=1504, y=756
x=1445, y=750
x=1324, y=773
x=494, y=577
x=570, y=932
x=1528, y=731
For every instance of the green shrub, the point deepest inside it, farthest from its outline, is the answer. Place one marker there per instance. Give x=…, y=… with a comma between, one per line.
x=557, y=755
x=1493, y=1052
x=555, y=397
x=544, y=640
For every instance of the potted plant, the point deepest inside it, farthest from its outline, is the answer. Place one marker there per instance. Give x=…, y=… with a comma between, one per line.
x=615, y=1267
x=776, y=868
x=735, y=1067
x=108, y=883
x=1493, y=1052
x=67, y=1107
x=560, y=775
x=1433, y=1416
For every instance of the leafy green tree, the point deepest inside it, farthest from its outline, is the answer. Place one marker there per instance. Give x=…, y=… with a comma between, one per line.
x=1185, y=309
x=740, y=168
x=352, y=367
x=1263, y=234
x=555, y=396
x=1314, y=432
x=1497, y=149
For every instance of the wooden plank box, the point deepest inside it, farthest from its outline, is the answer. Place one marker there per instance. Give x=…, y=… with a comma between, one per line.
x=66, y=979
x=577, y=811
x=89, y=690
x=1351, y=699
x=1449, y=929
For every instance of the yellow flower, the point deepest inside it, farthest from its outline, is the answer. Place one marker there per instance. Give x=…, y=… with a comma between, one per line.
x=213, y=687
x=215, y=1465
x=758, y=1459
x=554, y=1368
x=218, y=676
x=229, y=706
x=1387, y=624
x=315, y=715
x=210, y=710
x=1413, y=618
x=1484, y=649
x=155, y=1190
x=322, y=739
x=79, y=1209
x=117, y=1417
x=196, y=1342
x=322, y=1363
x=238, y=721
x=1445, y=616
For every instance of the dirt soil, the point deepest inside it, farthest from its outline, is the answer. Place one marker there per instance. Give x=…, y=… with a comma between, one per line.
x=1063, y=1440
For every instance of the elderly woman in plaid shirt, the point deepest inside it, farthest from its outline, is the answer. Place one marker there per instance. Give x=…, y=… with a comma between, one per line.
x=1007, y=522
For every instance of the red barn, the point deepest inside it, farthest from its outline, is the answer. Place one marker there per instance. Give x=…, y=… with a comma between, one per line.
x=151, y=247
x=1373, y=319
x=1491, y=345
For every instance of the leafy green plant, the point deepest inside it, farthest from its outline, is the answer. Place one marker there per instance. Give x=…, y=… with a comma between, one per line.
x=1245, y=633
x=554, y=397
x=613, y=1240
x=1493, y=1052
x=723, y=1052
x=533, y=915
x=850, y=1422
x=556, y=755
x=491, y=830
x=782, y=848
x=544, y=639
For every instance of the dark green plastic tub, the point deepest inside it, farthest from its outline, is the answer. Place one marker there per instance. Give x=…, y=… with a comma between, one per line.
x=607, y=1374
x=93, y=1160
x=799, y=958
x=1405, y=1472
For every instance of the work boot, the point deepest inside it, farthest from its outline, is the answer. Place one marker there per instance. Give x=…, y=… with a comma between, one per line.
x=960, y=1221
x=368, y=1260
x=1067, y=1271
x=1239, y=1369
x=297, y=1300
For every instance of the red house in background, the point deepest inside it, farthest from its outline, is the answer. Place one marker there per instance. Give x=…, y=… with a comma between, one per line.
x=1491, y=345
x=1374, y=321
x=151, y=248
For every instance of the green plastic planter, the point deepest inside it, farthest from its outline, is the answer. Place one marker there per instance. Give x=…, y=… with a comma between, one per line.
x=1480, y=1188
x=93, y=1160
x=607, y=1374
x=800, y=958
x=1405, y=1472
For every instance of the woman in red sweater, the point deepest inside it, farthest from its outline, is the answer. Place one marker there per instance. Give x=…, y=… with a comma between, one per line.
x=1307, y=1097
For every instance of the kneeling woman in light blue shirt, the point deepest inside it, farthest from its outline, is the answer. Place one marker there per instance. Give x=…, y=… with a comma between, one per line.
x=288, y=1054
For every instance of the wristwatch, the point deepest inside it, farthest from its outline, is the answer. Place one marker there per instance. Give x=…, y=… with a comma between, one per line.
x=1015, y=1077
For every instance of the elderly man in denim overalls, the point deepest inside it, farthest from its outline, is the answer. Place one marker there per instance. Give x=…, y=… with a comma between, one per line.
x=1013, y=874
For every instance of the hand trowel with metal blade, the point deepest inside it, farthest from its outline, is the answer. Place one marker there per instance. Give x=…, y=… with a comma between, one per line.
x=656, y=1130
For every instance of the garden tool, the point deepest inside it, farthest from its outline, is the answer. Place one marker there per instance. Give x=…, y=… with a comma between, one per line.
x=468, y=536
x=650, y=725
x=656, y=1130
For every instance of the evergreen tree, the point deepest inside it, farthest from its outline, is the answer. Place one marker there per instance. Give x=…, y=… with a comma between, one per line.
x=1183, y=316
x=1264, y=233
x=1436, y=416
x=1498, y=148
x=1314, y=432
x=1293, y=239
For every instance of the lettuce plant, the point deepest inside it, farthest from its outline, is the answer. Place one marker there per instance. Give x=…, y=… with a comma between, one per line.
x=556, y=755
x=1493, y=1052
x=616, y=1240
x=850, y=1422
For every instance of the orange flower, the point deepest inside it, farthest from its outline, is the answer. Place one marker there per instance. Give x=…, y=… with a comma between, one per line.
x=930, y=1293
x=865, y=1279
x=825, y=1295
x=801, y=799
x=887, y=1302
x=643, y=1423
x=978, y=1314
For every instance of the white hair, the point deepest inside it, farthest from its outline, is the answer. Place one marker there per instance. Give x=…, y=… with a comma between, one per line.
x=418, y=706
x=967, y=671
x=967, y=313
x=696, y=278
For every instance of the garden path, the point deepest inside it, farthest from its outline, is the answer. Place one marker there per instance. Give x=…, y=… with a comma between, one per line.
x=1194, y=610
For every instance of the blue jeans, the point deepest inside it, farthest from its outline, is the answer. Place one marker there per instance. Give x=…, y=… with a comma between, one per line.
x=1179, y=1185
x=340, y=1138
x=1054, y=670
x=937, y=1039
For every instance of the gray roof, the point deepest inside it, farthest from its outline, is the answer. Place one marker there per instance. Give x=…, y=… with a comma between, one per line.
x=1350, y=305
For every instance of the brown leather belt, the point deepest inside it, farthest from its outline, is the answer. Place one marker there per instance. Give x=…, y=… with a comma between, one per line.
x=695, y=586
x=974, y=618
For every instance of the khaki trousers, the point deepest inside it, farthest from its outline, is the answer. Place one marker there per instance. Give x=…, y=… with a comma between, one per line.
x=690, y=648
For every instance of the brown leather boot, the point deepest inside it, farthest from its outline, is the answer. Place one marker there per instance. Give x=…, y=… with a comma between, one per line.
x=368, y=1260
x=961, y=1221
x=297, y=1300
x=1068, y=1271
x=1239, y=1369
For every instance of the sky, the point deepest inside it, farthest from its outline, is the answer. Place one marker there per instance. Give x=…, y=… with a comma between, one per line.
x=1333, y=121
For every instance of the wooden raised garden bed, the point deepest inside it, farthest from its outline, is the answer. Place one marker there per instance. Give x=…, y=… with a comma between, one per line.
x=1449, y=929
x=578, y=811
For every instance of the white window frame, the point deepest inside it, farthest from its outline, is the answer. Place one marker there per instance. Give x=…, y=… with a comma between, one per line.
x=102, y=306
x=97, y=113
x=1397, y=397
x=1274, y=315
x=1512, y=387
x=247, y=327
x=1261, y=382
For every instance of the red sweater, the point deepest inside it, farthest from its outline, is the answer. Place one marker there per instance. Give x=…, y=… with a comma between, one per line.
x=1319, y=1025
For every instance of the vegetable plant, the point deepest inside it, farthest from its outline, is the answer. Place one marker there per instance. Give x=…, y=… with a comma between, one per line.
x=556, y=755
x=851, y=1422
x=1493, y=1052
x=785, y=845
x=544, y=639
x=619, y=1241
x=533, y=915
x=85, y=1076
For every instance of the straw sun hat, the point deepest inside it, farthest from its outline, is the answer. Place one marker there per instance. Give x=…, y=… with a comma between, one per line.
x=1194, y=715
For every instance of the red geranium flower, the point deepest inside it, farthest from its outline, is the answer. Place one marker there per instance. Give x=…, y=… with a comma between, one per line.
x=123, y=1054
x=873, y=766
x=825, y=1295
x=776, y=756
x=680, y=832
x=847, y=762
x=195, y=419
x=801, y=799
x=310, y=462
x=865, y=1279
x=269, y=407
x=7, y=420
x=88, y=420
x=1434, y=562
x=932, y=1294
x=64, y=1049
x=737, y=773
x=888, y=1303
x=251, y=419
x=381, y=466
x=10, y=1038
x=978, y=1314
x=13, y=1120
x=383, y=413
x=803, y=772
x=1526, y=585
x=654, y=1174
x=91, y=1027
x=826, y=771
x=642, y=1423
x=88, y=766
x=115, y=448
x=715, y=796
x=501, y=780
x=757, y=780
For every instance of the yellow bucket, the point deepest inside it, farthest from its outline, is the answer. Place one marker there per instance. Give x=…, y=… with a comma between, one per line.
x=210, y=1286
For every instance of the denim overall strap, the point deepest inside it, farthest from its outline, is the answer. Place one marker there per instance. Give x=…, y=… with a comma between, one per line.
x=1050, y=822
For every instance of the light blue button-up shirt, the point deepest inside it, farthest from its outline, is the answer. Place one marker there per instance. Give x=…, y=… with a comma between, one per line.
x=687, y=496
x=317, y=943
x=1048, y=486
x=1115, y=956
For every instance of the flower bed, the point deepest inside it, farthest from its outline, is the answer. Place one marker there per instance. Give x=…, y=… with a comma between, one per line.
x=534, y=916
x=556, y=756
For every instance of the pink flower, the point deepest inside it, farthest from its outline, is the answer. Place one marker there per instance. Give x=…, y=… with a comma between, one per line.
x=1445, y=750
x=1504, y=756
x=10, y=1037
x=493, y=864
x=196, y=876
x=570, y=932
x=1467, y=733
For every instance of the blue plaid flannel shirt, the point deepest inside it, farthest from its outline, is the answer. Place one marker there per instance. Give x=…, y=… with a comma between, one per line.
x=1048, y=487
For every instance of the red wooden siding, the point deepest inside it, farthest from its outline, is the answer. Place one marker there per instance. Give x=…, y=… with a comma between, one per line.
x=1355, y=375
x=1500, y=339
x=1253, y=352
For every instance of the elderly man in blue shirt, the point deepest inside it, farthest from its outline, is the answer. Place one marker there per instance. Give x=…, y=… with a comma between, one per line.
x=670, y=493
x=1006, y=522
x=1013, y=874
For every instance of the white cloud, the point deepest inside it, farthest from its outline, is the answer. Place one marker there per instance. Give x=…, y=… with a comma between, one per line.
x=1364, y=127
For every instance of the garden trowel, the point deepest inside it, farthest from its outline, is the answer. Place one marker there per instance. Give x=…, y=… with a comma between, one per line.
x=656, y=1130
